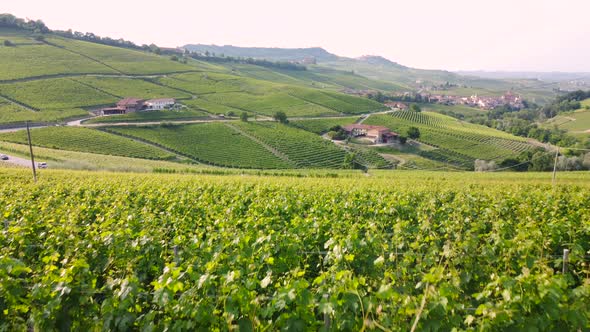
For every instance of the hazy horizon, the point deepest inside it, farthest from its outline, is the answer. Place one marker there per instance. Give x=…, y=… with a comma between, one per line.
x=457, y=35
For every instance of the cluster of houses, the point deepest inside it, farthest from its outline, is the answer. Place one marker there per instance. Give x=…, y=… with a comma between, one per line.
x=375, y=134
x=484, y=102
x=130, y=105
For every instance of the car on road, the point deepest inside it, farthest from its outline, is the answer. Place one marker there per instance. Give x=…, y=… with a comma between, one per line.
x=3, y=157
x=42, y=165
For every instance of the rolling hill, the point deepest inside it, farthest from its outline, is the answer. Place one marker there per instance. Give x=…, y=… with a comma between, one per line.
x=48, y=79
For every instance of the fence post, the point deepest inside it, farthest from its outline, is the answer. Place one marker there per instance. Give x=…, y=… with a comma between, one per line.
x=176, y=254
x=327, y=321
x=566, y=257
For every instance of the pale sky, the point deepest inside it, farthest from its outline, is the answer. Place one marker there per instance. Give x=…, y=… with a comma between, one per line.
x=514, y=35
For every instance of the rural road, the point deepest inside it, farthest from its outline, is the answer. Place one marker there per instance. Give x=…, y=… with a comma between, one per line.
x=16, y=161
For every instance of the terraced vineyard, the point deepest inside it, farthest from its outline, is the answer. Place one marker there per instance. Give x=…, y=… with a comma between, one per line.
x=122, y=60
x=337, y=102
x=87, y=140
x=125, y=87
x=85, y=252
x=305, y=149
x=211, y=143
x=36, y=59
x=321, y=126
x=58, y=93
x=470, y=140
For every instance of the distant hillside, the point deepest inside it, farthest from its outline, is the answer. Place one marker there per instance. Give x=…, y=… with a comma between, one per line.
x=380, y=61
x=276, y=54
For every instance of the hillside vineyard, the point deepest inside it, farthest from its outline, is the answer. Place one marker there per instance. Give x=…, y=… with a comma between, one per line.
x=159, y=252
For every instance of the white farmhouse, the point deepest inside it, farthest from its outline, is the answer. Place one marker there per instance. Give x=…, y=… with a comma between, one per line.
x=159, y=104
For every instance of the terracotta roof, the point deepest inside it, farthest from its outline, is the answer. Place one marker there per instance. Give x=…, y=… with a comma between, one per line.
x=129, y=101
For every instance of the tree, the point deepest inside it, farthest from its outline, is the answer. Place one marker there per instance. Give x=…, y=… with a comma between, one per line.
x=413, y=133
x=402, y=139
x=280, y=117
x=349, y=161
x=244, y=116
x=415, y=108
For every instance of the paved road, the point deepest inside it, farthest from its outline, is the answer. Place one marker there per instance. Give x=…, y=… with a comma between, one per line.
x=16, y=161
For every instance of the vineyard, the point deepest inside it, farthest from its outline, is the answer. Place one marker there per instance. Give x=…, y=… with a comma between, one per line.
x=321, y=126
x=86, y=140
x=164, y=252
x=211, y=143
x=470, y=140
x=56, y=94
x=304, y=149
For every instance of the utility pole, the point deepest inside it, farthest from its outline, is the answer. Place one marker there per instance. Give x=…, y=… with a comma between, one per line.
x=555, y=166
x=31, y=151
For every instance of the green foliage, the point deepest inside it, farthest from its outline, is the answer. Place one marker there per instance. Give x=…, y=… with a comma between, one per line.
x=165, y=252
x=413, y=133
x=415, y=108
x=244, y=117
x=321, y=126
x=280, y=117
x=86, y=140
x=210, y=143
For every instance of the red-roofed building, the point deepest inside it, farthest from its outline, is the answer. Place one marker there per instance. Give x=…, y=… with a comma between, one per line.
x=131, y=104
x=377, y=134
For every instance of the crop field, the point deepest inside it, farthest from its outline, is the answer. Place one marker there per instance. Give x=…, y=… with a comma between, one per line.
x=59, y=93
x=23, y=61
x=470, y=140
x=86, y=140
x=270, y=103
x=10, y=113
x=205, y=83
x=321, y=126
x=211, y=107
x=123, y=60
x=578, y=121
x=305, y=149
x=211, y=143
x=337, y=102
x=116, y=251
x=147, y=116
x=129, y=87
x=73, y=160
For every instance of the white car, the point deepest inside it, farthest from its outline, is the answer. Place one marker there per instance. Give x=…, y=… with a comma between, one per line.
x=42, y=165
x=3, y=157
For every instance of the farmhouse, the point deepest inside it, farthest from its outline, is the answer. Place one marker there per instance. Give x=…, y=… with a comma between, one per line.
x=377, y=134
x=396, y=105
x=131, y=104
x=159, y=104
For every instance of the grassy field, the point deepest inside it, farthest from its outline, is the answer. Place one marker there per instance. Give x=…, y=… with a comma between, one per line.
x=469, y=140
x=87, y=140
x=577, y=122
x=212, y=143
x=480, y=251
